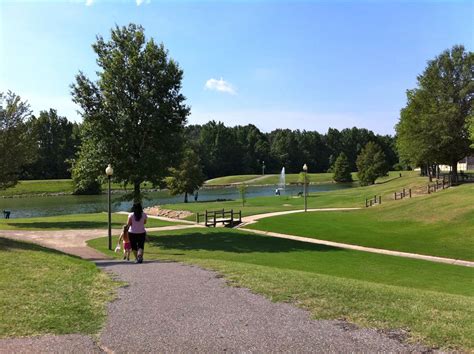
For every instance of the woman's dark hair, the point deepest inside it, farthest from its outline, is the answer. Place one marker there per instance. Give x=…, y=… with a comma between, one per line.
x=137, y=211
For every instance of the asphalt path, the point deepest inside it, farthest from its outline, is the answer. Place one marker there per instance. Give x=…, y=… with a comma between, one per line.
x=171, y=307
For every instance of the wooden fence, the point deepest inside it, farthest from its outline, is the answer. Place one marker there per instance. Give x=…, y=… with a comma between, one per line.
x=372, y=201
x=439, y=184
x=402, y=194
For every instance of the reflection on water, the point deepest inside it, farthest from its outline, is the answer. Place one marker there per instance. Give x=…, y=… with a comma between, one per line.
x=69, y=204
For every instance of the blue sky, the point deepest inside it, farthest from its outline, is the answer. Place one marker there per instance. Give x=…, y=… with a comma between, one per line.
x=299, y=65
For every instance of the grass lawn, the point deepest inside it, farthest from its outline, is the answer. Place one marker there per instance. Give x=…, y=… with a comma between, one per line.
x=77, y=221
x=351, y=197
x=43, y=291
x=435, y=302
x=441, y=224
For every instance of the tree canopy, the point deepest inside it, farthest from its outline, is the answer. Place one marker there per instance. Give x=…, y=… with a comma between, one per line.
x=16, y=144
x=187, y=177
x=57, y=140
x=134, y=114
x=433, y=126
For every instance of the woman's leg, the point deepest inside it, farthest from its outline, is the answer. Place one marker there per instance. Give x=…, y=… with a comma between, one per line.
x=133, y=242
x=140, y=246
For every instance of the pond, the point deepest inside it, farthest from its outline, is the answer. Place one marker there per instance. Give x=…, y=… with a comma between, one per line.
x=70, y=204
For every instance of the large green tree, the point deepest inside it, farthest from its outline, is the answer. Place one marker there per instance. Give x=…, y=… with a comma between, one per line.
x=433, y=126
x=134, y=113
x=371, y=164
x=187, y=177
x=16, y=143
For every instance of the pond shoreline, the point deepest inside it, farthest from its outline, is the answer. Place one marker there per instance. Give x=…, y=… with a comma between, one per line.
x=153, y=190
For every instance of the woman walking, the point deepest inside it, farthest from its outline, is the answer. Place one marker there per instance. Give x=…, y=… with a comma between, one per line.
x=136, y=231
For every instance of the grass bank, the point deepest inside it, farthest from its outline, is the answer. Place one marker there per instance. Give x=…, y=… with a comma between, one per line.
x=75, y=221
x=440, y=224
x=290, y=178
x=43, y=291
x=435, y=302
x=220, y=181
x=51, y=186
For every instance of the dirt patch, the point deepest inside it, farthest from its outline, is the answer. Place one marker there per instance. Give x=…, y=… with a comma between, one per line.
x=168, y=213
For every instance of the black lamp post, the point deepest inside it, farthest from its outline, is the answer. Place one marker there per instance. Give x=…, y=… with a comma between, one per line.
x=305, y=170
x=109, y=171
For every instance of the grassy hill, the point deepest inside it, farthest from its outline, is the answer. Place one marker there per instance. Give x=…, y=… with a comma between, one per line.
x=440, y=224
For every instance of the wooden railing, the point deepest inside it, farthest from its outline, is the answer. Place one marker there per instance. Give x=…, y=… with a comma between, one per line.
x=211, y=218
x=372, y=201
x=402, y=194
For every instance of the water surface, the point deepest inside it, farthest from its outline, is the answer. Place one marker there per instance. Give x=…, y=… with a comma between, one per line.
x=70, y=204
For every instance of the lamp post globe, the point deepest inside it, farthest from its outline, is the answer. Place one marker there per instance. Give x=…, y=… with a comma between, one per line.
x=109, y=171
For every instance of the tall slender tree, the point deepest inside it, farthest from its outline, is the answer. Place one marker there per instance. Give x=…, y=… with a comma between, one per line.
x=342, y=170
x=16, y=143
x=371, y=164
x=134, y=114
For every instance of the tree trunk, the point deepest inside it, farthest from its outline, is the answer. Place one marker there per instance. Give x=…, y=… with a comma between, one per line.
x=136, y=192
x=185, y=197
x=437, y=171
x=454, y=172
x=429, y=169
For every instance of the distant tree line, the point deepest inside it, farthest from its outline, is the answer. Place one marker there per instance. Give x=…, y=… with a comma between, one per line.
x=221, y=150
x=244, y=149
x=34, y=147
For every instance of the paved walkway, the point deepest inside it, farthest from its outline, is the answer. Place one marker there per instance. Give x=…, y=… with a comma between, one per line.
x=170, y=307
x=251, y=219
x=74, y=241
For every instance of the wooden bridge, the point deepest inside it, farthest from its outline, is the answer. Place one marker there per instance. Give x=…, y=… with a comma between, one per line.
x=226, y=217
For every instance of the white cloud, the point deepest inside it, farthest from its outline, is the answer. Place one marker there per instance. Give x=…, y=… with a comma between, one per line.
x=220, y=85
x=89, y=2
x=139, y=2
